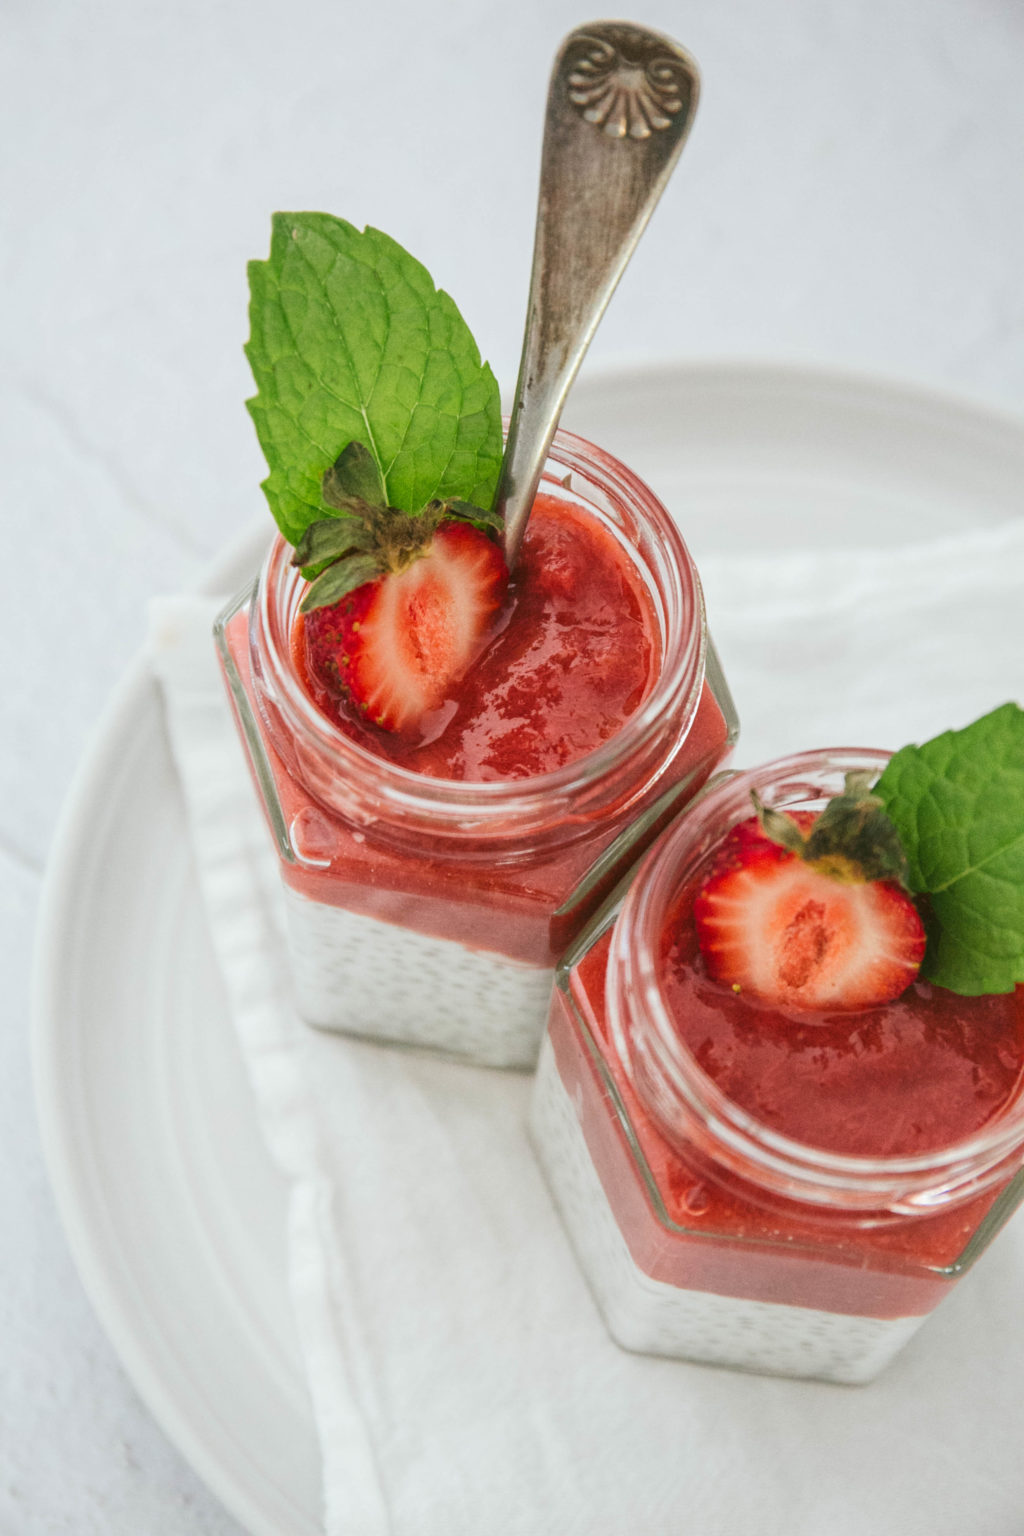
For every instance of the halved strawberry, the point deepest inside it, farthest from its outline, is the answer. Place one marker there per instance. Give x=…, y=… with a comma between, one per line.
x=394, y=645
x=400, y=602
x=772, y=922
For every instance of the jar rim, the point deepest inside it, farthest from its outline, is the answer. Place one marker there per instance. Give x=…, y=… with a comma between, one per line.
x=499, y=803
x=907, y=1183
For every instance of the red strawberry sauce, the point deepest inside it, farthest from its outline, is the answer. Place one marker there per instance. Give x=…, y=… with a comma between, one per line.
x=898, y=1079
x=840, y=1089
x=574, y=652
x=580, y=648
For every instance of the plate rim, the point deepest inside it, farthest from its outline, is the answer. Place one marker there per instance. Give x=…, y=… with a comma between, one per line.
x=82, y=1229
x=72, y=831
x=905, y=387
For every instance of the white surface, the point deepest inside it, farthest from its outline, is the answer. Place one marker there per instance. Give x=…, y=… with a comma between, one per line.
x=849, y=194
x=176, y=1216
x=657, y=1318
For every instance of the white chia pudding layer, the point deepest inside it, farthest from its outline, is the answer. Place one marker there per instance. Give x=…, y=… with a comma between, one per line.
x=653, y=1317
x=372, y=978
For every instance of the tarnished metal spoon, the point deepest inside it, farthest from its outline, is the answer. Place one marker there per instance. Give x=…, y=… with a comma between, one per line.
x=620, y=105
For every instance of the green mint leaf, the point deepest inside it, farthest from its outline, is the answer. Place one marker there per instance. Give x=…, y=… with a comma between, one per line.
x=958, y=805
x=338, y=580
x=354, y=475
x=350, y=341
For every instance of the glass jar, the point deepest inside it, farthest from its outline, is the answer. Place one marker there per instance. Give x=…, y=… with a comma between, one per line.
x=704, y=1232
x=428, y=911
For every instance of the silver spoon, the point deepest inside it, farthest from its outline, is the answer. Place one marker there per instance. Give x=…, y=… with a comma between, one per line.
x=620, y=105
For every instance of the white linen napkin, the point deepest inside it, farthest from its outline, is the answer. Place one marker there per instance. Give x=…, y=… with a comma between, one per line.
x=462, y=1380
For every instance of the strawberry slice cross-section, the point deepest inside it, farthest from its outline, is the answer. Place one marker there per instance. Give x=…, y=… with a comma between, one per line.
x=772, y=924
x=400, y=604
x=396, y=644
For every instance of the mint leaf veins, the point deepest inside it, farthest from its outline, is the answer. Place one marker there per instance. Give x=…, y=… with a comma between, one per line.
x=351, y=342
x=958, y=805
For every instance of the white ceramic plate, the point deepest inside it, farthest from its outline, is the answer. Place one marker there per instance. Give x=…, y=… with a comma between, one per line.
x=174, y=1211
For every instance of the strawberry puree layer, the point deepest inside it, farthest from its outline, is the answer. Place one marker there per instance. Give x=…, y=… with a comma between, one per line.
x=686, y=1230
x=573, y=654
x=659, y=1317
x=523, y=910
x=896, y=1080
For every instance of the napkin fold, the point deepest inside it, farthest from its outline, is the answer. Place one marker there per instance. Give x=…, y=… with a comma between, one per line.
x=462, y=1380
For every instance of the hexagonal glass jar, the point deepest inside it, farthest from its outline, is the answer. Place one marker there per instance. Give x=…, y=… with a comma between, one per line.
x=431, y=912
x=704, y=1231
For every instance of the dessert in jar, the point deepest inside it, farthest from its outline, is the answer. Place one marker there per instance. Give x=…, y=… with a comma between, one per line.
x=776, y=1143
x=456, y=766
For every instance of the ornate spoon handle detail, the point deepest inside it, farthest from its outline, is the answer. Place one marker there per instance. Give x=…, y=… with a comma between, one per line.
x=620, y=105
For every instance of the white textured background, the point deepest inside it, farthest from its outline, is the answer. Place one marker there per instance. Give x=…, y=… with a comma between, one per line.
x=851, y=194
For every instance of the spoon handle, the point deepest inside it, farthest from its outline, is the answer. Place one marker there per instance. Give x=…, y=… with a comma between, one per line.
x=620, y=105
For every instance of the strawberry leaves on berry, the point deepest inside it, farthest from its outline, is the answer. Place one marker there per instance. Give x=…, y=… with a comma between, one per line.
x=852, y=839
x=958, y=805
x=351, y=342
x=368, y=539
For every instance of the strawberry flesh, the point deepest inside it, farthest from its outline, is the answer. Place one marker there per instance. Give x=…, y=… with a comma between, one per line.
x=772, y=925
x=391, y=649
